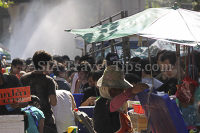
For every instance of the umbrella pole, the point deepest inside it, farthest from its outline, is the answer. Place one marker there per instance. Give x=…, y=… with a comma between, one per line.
x=178, y=60
x=188, y=70
x=193, y=64
x=151, y=89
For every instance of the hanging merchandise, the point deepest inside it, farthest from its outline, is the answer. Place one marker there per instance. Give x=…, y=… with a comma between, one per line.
x=185, y=91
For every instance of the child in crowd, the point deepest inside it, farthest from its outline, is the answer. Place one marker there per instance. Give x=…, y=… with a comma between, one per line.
x=35, y=116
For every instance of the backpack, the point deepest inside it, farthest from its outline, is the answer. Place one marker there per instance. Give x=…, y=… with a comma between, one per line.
x=32, y=114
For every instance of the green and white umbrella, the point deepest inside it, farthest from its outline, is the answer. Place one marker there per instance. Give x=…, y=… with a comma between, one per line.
x=171, y=24
x=8, y=57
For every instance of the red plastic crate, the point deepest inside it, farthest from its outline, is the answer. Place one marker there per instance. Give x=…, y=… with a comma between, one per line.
x=138, y=109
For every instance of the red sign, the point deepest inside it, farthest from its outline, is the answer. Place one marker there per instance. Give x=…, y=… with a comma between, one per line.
x=15, y=95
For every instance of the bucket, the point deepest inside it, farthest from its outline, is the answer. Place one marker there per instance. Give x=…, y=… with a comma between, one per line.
x=78, y=97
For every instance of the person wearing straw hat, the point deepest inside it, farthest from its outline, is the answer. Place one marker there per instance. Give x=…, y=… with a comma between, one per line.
x=115, y=91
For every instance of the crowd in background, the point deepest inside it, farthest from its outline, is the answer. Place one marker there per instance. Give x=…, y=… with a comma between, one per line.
x=54, y=79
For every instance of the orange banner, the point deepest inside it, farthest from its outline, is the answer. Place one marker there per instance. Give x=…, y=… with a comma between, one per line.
x=15, y=95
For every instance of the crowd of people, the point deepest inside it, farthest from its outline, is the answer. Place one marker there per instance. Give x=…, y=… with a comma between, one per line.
x=106, y=84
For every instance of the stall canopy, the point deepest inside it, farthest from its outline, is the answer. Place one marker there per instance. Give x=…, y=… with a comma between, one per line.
x=171, y=24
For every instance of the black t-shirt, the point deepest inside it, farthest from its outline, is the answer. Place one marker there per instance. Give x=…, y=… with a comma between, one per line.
x=84, y=87
x=104, y=120
x=42, y=86
x=169, y=86
x=91, y=91
x=9, y=81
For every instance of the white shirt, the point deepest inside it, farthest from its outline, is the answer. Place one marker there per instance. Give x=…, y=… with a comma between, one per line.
x=148, y=81
x=62, y=112
x=74, y=83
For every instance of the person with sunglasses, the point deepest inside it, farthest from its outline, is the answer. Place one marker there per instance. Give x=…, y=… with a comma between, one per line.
x=16, y=67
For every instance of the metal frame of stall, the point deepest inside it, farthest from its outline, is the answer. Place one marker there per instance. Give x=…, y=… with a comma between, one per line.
x=125, y=40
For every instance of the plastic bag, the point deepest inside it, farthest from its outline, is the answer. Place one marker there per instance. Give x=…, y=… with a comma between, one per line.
x=185, y=91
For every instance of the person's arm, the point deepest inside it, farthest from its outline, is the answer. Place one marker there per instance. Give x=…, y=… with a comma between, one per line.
x=52, y=92
x=77, y=86
x=41, y=125
x=18, y=84
x=89, y=101
x=53, y=100
x=120, y=99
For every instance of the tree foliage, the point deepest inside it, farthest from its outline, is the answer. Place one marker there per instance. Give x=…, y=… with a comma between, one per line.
x=168, y=3
x=5, y=4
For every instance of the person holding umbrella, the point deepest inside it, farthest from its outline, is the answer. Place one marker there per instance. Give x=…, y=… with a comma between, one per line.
x=109, y=115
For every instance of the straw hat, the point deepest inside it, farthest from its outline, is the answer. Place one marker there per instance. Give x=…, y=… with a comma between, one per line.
x=113, y=77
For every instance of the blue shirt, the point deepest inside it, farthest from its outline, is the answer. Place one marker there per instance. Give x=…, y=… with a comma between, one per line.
x=32, y=128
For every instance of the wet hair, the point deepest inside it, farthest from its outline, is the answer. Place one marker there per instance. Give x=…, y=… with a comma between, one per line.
x=65, y=57
x=58, y=58
x=88, y=59
x=28, y=61
x=35, y=101
x=169, y=55
x=145, y=65
x=135, y=59
x=17, y=61
x=77, y=58
x=84, y=67
x=132, y=78
x=160, y=53
x=97, y=75
x=58, y=68
x=132, y=67
x=41, y=56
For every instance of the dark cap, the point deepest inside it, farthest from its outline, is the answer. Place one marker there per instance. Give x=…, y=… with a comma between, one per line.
x=112, y=57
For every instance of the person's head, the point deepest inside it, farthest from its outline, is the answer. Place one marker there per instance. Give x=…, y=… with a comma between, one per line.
x=145, y=67
x=111, y=58
x=3, y=58
x=168, y=60
x=87, y=58
x=96, y=76
x=83, y=70
x=16, y=65
x=41, y=59
x=30, y=68
x=28, y=61
x=99, y=63
x=135, y=59
x=58, y=58
x=113, y=79
x=159, y=54
x=59, y=70
x=65, y=59
x=132, y=78
x=76, y=59
x=89, y=78
x=49, y=67
x=35, y=101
